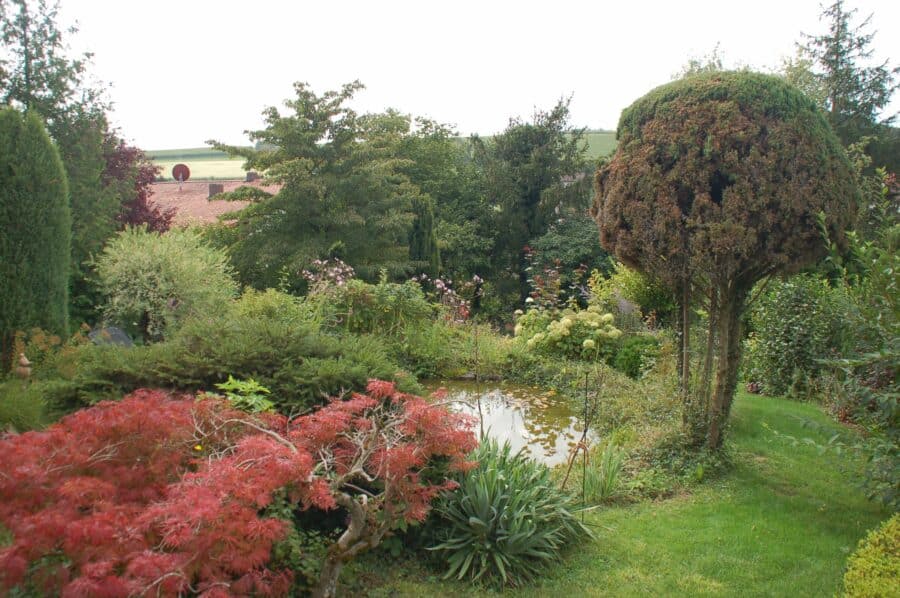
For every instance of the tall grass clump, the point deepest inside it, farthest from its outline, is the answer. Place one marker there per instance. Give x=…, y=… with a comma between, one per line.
x=601, y=477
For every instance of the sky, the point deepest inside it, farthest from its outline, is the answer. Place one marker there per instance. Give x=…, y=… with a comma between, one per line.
x=182, y=72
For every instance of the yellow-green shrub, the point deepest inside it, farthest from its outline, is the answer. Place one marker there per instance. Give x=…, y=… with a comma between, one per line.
x=873, y=570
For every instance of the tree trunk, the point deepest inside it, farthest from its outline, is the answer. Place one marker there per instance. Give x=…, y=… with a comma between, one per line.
x=690, y=411
x=706, y=378
x=6, y=353
x=686, y=336
x=679, y=353
x=328, y=578
x=358, y=537
x=726, y=369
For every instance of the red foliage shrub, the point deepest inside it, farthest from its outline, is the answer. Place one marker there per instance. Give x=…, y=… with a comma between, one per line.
x=127, y=164
x=163, y=494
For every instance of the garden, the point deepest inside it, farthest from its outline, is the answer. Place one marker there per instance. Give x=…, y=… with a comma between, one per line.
x=428, y=367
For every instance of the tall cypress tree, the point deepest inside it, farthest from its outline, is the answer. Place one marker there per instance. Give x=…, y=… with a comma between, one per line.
x=423, y=245
x=35, y=230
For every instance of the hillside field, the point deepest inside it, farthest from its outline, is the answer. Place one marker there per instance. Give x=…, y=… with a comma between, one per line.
x=208, y=164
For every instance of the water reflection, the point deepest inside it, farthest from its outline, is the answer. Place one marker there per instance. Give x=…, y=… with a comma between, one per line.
x=539, y=421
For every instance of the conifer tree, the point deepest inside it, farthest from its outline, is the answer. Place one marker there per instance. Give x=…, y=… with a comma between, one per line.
x=423, y=245
x=35, y=229
x=854, y=90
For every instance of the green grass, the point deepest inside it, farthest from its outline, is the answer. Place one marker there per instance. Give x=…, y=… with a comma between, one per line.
x=190, y=153
x=781, y=523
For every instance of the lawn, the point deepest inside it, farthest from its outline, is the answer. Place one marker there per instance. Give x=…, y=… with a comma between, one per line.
x=782, y=522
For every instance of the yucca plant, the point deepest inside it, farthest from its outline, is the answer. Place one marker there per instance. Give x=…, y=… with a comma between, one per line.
x=507, y=520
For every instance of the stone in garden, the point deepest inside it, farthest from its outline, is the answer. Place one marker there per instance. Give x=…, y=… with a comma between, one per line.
x=216, y=188
x=251, y=176
x=23, y=369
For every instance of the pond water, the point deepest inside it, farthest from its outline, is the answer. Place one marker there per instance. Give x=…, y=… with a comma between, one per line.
x=539, y=421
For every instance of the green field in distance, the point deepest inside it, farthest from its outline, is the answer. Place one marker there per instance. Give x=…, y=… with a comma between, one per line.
x=207, y=163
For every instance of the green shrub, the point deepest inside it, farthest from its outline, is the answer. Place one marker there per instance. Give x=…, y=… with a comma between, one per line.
x=507, y=521
x=635, y=354
x=627, y=285
x=21, y=406
x=430, y=349
x=873, y=570
x=272, y=305
x=278, y=349
x=794, y=324
x=384, y=308
x=153, y=282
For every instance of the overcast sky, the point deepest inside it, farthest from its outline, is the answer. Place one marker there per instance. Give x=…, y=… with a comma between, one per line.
x=182, y=72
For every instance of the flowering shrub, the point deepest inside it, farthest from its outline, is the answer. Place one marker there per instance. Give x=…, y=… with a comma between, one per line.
x=331, y=272
x=457, y=302
x=574, y=334
x=162, y=495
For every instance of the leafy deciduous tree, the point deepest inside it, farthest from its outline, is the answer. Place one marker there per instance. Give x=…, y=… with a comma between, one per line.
x=130, y=171
x=344, y=193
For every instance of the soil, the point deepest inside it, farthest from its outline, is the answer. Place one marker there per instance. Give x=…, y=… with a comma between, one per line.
x=190, y=199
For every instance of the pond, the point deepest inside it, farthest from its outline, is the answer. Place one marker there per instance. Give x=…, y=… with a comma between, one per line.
x=539, y=421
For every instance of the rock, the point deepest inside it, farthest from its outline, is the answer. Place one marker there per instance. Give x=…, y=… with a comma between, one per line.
x=110, y=335
x=215, y=189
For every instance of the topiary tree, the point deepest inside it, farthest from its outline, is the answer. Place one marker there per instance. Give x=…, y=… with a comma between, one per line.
x=35, y=230
x=716, y=183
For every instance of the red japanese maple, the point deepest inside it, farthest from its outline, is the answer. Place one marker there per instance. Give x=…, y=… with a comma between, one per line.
x=163, y=494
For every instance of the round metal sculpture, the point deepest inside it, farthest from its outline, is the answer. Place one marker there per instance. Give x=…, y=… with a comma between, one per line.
x=181, y=173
